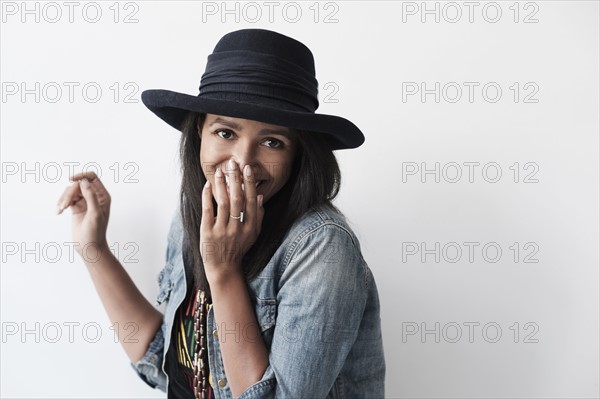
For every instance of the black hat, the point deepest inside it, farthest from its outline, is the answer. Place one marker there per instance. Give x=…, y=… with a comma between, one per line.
x=260, y=75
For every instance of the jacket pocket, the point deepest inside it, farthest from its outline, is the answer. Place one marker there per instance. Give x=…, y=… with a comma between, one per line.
x=165, y=283
x=266, y=315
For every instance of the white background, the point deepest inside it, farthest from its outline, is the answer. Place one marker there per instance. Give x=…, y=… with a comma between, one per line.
x=370, y=56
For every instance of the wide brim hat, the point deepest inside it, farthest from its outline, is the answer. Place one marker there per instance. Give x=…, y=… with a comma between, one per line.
x=260, y=75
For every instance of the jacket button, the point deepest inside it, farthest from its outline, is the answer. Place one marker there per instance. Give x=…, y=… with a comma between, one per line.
x=215, y=332
x=222, y=382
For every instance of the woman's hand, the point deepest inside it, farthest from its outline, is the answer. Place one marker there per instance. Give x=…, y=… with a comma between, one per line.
x=90, y=207
x=224, y=240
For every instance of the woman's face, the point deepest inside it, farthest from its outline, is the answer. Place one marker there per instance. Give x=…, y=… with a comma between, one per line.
x=268, y=149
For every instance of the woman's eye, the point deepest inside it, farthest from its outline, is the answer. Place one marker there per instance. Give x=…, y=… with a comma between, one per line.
x=222, y=131
x=227, y=135
x=278, y=144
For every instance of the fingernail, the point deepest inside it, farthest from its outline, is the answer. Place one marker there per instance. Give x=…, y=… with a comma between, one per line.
x=61, y=207
x=232, y=164
x=260, y=200
x=85, y=183
x=219, y=172
x=227, y=179
x=207, y=184
x=248, y=170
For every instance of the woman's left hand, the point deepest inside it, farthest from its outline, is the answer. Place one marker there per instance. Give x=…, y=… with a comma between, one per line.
x=224, y=240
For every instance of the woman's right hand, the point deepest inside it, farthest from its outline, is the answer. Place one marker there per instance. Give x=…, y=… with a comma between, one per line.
x=90, y=208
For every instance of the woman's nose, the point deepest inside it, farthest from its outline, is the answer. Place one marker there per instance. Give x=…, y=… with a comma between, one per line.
x=243, y=155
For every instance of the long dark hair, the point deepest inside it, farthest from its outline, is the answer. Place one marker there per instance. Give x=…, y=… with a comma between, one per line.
x=315, y=180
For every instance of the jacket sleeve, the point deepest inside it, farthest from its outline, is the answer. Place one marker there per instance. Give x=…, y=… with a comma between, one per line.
x=321, y=299
x=149, y=367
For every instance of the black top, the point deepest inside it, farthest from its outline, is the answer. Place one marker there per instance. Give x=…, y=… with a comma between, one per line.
x=178, y=363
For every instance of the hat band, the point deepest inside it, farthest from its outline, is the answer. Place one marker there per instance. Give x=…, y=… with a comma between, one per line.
x=262, y=79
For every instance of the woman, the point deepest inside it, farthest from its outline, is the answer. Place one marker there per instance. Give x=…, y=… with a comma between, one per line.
x=267, y=293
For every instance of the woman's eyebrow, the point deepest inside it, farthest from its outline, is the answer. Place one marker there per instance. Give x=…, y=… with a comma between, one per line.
x=231, y=124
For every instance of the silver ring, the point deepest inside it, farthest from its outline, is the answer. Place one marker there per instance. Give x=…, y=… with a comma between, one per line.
x=241, y=217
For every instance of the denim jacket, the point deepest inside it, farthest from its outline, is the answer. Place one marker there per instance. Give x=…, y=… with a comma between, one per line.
x=317, y=306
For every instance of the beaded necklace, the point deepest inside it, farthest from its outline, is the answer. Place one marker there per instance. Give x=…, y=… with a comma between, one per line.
x=200, y=353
